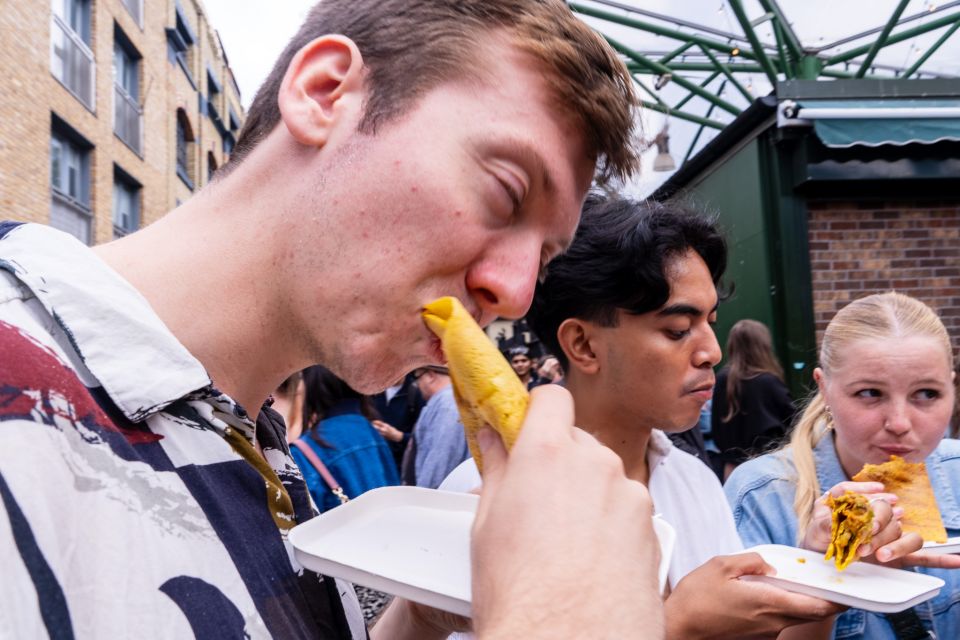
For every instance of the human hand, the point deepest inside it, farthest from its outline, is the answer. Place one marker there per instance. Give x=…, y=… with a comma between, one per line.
x=388, y=431
x=711, y=602
x=562, y=537
x=550, y=369
x=407, y=620
x=887, y=543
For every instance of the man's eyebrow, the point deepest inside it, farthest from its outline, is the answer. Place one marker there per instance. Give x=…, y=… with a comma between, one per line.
x=681, y=309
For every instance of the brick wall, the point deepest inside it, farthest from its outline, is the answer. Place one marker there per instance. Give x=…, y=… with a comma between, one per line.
x=30, y=95
x=857, y=249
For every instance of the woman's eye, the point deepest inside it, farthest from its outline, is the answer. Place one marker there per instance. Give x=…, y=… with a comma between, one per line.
x=868, y=393
x=928, y=394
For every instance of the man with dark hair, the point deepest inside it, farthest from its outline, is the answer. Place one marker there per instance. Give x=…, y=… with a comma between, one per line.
x=628, y=309
x=522, y=364
x=401, y=150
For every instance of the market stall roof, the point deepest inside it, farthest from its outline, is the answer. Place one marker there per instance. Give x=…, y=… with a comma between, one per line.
x=873, y=123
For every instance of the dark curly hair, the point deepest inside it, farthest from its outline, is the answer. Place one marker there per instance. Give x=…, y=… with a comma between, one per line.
x=618, y=261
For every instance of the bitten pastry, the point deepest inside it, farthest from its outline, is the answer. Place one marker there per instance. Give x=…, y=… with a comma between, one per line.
x=486, y=389
x=911, y=484
x=851, y=527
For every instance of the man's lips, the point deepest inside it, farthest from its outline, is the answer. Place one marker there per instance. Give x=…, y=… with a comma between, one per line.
x=703, y=387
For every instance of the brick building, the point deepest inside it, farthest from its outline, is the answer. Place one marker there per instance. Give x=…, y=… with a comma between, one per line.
x=864, y=247
x=830, y=191
x=111, y=111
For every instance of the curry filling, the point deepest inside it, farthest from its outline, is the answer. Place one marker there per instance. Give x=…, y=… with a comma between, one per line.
x=851, y=527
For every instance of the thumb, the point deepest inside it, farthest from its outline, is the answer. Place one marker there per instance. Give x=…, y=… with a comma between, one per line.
x=749, y=564
x=494, y=460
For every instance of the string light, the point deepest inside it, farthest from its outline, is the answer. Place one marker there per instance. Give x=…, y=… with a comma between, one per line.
x=735, y=52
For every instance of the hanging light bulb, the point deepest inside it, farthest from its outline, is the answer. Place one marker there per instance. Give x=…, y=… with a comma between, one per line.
x=664, y=161
x=735, y=51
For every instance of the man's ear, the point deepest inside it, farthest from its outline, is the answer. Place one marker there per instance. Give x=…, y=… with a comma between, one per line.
x=322, y=87
x=576, y=338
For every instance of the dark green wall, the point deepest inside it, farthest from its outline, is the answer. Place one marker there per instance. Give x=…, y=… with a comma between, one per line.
x=733, y=191
x=768, y=263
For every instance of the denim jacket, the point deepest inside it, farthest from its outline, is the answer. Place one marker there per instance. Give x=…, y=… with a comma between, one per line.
x=761, y=493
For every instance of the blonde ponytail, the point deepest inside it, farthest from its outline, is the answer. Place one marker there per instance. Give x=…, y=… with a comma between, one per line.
x=806, y=434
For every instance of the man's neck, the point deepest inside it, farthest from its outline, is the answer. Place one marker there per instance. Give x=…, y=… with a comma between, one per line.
x=616, y=429
x=212, y=285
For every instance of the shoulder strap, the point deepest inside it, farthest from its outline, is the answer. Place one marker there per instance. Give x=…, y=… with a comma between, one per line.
x=321, y=468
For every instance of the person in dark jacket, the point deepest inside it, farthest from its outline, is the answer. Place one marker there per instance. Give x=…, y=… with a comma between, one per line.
x=399, y=406
x=752, y=408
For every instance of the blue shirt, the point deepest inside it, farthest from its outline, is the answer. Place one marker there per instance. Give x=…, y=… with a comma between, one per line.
x=359, y=459
x=761, y=493
x=441, y=443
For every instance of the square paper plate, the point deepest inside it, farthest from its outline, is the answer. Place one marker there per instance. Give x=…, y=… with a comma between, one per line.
x=861, y=585
x=952, y=545
x=410, y=542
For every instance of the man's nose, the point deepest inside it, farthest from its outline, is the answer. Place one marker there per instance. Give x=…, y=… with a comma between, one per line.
x=503, y=284
x=709, y=354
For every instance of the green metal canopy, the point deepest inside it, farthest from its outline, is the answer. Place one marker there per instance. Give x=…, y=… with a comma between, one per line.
x=873, y=123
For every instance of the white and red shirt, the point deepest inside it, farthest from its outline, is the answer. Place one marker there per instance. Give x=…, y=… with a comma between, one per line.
x=132, y=500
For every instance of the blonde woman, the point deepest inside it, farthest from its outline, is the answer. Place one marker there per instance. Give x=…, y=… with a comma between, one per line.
x=885, y=386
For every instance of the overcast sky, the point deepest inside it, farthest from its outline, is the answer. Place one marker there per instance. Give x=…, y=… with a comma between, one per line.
x=254, y=32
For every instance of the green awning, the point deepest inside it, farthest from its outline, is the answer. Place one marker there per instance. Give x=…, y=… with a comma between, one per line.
x=872, y=123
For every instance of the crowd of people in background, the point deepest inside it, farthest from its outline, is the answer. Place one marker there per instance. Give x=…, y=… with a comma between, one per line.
x=694, y=437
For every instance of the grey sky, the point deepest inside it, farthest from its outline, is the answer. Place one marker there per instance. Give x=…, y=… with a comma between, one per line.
x=254, y=32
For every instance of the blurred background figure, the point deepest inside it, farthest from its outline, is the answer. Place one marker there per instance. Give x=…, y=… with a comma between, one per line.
x=752, y=408
x=337, y=428
x=399, y=406
x=288, y=402
x=438, y=444
x=550, y=370
x=522, y=364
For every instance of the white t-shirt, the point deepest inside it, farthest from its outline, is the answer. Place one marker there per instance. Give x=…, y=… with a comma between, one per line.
x=685, y=492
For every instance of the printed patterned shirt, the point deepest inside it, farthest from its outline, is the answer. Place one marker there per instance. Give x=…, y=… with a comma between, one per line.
x=133, y=502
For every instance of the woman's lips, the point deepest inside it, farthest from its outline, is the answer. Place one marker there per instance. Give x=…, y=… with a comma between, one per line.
x=895, y=450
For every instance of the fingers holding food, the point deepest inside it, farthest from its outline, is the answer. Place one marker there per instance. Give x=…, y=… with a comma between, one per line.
x=486, y=389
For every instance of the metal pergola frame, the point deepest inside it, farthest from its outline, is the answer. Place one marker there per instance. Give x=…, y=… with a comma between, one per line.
x=728, y=56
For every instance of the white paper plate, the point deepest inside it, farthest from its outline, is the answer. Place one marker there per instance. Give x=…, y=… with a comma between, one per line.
x=861, y=585
x=952, y=545
x=410, y=542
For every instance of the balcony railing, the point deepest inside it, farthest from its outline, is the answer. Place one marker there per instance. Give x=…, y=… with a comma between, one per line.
x=127, y=119
x=135, y=7
x=71, y=62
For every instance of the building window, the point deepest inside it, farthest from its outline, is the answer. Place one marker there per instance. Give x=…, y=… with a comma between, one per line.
x=211, y=166
x=126, y=203
x=71, y=57
x=184, y=147
x=70, y=182
x=180, y=39
x=135, y=7
x=127, y=113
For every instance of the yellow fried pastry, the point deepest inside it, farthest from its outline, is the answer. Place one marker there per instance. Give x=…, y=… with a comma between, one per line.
x=851, y=527
x=911, y=484
x=486, y=389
